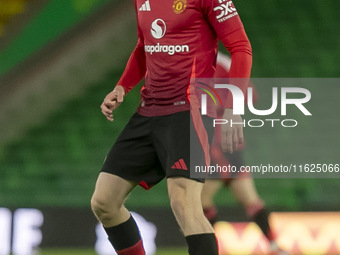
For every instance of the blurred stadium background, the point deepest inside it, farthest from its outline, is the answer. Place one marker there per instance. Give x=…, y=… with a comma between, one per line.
x=59, y=58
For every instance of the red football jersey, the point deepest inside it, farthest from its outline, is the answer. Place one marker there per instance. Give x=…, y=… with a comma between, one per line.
x=179, y=39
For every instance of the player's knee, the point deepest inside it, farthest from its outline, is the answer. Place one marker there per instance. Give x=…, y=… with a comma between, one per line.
x=103, y=209
x=97, y=205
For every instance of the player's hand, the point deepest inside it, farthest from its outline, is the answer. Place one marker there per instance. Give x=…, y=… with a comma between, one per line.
x=232, y=135
x=112, y=101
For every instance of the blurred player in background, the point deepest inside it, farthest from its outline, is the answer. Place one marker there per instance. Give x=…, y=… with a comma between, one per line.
x=241, y=184
x=177, y=41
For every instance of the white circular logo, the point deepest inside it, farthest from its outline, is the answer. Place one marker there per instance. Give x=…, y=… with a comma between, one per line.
x=158, y=28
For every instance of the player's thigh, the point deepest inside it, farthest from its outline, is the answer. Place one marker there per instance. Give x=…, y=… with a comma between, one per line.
x=244, y=190
x=111, y=190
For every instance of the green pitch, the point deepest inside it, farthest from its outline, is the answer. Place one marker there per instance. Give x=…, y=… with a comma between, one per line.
x=161, y=251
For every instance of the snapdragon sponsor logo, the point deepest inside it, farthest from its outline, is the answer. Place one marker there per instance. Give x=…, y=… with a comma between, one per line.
x=170, y=49
x=281, y=98
x=158, y=31
x=158, y=28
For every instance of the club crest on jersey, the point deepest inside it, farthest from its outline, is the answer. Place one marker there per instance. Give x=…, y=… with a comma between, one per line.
x=179, y=6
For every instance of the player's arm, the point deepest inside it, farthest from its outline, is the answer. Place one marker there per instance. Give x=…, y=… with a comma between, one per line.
x=134, y=72
x=238, y=45
x=223, y=17
x=135, y=68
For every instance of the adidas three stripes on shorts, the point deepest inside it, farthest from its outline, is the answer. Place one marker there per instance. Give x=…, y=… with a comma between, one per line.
x=151, y=148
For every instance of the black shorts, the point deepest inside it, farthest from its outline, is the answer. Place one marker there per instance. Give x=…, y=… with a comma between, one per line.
x=151, y=148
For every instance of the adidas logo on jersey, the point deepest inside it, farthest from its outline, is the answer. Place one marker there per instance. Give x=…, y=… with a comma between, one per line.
x=180, y=164
x=145, y=7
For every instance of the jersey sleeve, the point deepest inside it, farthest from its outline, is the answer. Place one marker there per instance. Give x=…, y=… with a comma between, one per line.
x=224, y=19
x=136, y=66
x=239, y=47
x=222, y=16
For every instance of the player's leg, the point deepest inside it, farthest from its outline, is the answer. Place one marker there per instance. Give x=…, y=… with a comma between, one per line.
x=245, y=192
x=128, y=163
x=210, y=188
x=243, y=188
x=108, y=205
x=186, y=204
x=174, y=143
x=185, y=200
x=108, y=199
